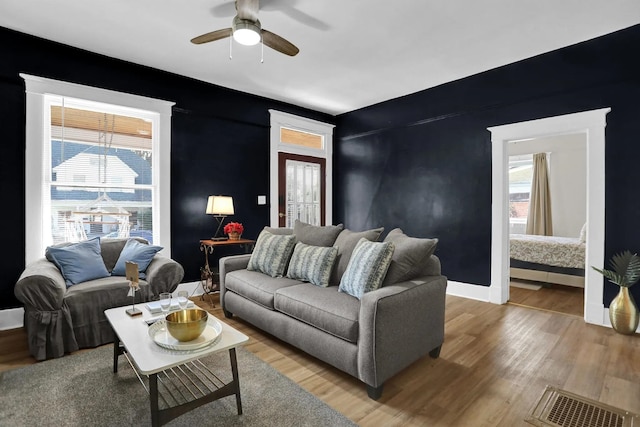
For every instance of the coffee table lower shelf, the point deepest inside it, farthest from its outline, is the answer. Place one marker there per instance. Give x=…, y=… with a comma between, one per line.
x=180, y=389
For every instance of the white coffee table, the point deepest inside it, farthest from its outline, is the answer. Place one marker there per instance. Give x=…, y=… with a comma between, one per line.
x=177, y=377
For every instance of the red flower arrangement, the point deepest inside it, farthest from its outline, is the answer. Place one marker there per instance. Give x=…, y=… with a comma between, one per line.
x=233, y=227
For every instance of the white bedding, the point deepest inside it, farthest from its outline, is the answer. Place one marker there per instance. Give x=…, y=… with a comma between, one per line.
x=549, y=250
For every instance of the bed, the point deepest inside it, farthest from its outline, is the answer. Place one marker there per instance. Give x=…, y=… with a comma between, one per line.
x=549, y=259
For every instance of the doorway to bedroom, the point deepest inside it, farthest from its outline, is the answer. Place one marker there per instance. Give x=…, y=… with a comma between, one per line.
x=591, y=123
x=547, y=213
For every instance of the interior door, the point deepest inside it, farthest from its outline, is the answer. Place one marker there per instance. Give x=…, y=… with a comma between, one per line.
x=301, y=189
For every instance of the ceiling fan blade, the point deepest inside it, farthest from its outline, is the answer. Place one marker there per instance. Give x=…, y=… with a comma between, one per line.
x=225, y=10
x=212, y=36
x=288, y=8
x=276, y=42
x=248, y=9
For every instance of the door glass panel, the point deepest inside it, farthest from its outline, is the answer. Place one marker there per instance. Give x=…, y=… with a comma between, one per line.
x=303, y=190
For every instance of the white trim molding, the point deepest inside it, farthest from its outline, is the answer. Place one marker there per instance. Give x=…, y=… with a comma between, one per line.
x=37, y=88
x=280, y=119
x=592, y=124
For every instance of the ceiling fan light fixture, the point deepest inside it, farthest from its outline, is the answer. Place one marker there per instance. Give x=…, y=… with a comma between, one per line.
x=246, y=32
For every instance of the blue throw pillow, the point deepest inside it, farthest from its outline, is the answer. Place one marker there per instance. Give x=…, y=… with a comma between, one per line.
x=137, y=252
x=79, y=262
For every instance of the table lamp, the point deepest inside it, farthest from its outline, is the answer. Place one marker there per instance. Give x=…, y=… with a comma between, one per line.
x=219, y=207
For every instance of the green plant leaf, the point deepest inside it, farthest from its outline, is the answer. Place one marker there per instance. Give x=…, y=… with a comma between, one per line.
x=625, y=269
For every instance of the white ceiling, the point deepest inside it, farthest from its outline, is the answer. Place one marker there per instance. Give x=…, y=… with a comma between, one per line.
x=352, y=53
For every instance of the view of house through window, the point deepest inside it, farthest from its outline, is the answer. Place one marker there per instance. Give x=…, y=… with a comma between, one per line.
x=520, y=176
x=100, y=169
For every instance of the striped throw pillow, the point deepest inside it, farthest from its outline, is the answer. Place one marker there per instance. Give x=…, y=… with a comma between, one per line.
x=271, y=253
x=312, y=263
x=367, y=267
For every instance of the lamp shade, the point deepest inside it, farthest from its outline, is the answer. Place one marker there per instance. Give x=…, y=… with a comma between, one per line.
x=220, y=205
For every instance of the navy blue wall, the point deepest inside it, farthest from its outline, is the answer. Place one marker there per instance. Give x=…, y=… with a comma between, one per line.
x=423, y=162
x=220, y=144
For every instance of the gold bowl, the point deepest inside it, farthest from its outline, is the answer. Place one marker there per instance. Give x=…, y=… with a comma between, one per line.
x=186, y=325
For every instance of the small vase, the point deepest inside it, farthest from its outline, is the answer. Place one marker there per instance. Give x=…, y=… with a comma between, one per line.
x=623, y=312
x=234, y=235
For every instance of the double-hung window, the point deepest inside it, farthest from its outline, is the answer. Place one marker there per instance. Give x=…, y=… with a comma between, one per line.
x=94, y=161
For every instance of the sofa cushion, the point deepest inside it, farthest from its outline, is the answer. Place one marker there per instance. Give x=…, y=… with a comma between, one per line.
x=346, y=242
x=324, y=308
x=312, y=263
x=367, y=267
x=78, y=262
x=271, y=253
x=256, y=286
x=409, y=257
x=140, y=253
x=316, y=235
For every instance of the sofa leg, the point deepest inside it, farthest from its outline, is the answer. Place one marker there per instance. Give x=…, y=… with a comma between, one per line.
x=227, y=314
x=435, y=353
x=374, y=392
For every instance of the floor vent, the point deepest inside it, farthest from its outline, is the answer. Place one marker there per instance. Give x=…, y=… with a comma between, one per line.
x=559, y=408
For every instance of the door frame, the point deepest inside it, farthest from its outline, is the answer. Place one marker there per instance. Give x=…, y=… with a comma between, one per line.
x=592, y=123
x=280, y=119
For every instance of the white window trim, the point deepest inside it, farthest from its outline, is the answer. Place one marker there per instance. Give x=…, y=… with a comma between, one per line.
x=280, y=119
x=37, y=129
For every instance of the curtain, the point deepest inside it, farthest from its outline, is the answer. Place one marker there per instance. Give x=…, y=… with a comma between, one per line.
x=539, y=216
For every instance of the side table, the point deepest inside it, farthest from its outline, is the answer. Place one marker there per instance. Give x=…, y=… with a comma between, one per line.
x=207, y=274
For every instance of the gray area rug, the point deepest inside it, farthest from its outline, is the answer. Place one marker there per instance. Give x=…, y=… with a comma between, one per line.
x=82, y=390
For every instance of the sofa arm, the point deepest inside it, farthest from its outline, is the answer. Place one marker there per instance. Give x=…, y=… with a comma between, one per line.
x=399, y=324
x=163, y=275
x=41, y=286
x=228, y=264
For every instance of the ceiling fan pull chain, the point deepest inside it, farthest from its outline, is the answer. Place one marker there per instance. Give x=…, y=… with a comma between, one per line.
x=230, y=48
x=262, y=52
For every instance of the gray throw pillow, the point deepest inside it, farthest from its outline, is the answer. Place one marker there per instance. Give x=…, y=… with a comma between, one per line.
x=316, y=235
x=279, y=230
x=271, y=253
x=345, y=243
x=367, y=267
x=409, y=257
x=312, y=264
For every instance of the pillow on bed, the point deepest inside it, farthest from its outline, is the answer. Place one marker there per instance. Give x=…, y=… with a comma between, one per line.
x=583, y=233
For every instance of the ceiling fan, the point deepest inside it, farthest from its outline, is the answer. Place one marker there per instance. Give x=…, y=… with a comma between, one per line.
x=246, y=30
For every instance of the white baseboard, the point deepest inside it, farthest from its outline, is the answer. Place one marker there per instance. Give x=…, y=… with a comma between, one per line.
x=467, y=290
x=13, y=318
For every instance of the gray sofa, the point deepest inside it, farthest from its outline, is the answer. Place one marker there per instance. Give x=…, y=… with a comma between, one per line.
x=371, y=338
x=61, y=319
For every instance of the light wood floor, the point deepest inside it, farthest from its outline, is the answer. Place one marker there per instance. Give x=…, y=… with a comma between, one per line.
x=494, y=365
x=552, y=297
